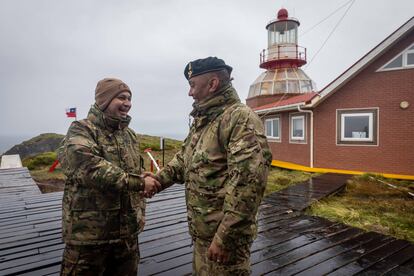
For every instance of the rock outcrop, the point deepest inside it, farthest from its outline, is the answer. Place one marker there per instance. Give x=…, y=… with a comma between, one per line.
x=41, y=143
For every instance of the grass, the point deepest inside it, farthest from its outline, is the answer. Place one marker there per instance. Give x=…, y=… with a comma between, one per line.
x=39, y=161
x=279, y=179
x=171, y=147
x=39, y=169
x=51, y=182
x=370, y=204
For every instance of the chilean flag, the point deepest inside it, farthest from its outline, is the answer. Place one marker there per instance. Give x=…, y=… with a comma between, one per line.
x=71, y=112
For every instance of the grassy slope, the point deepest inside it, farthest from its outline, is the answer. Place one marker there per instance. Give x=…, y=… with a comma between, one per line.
x=370, y=204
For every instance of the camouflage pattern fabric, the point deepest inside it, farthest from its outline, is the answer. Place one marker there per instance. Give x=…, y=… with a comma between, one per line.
x=239, y=263
x=109, y=259
x=224, y=162
x=98, y=156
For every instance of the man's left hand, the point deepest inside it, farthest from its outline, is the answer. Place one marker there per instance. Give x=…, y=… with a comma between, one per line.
x=217, y=254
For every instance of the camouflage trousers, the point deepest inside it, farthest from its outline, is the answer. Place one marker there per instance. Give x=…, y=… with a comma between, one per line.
x=239, y=263
x=108, y=259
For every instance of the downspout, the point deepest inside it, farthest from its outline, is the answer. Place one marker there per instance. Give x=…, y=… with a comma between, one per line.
x=311, y=133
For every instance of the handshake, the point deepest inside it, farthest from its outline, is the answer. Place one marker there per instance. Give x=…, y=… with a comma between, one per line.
x=151, y=184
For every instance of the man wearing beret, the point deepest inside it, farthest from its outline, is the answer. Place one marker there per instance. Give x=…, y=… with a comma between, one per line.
x=103, y=207
x=224, y=163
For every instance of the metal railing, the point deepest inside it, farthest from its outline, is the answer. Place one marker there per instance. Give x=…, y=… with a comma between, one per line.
x=283, y=52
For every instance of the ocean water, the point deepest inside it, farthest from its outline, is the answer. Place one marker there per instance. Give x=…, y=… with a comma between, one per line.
x=8, y=141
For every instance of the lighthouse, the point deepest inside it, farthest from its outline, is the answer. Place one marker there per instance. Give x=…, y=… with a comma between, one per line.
x=282, y=60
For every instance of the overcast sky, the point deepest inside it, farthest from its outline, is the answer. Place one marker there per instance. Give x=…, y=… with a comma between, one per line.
x=52, y=53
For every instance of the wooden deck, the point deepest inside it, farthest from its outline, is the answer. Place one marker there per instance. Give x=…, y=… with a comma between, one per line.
x=288, y=242
x=16, y=182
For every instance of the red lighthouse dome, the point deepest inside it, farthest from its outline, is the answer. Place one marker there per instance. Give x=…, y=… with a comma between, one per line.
x=282, y=14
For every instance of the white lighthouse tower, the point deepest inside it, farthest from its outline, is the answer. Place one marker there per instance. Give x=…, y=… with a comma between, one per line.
x=282, y=60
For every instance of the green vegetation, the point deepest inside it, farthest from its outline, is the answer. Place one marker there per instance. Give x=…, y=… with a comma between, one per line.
x=369, y=203
x=281, y=178
x=50, y=182
x=153, y=142
x=44, y=176
x=42, y=137
x=39, y=169
x=38, y=162
x=171, y=147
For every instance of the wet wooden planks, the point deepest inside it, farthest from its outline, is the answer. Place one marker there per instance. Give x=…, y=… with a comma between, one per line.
x=15, y=182
x=30, y=233
x=288, y=242
x=298, y=197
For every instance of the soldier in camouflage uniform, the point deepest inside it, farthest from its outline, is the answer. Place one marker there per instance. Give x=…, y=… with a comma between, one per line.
x=224, y=163
x=103, y=206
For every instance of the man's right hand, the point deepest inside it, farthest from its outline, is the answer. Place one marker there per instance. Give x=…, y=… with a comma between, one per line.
x=151, y=186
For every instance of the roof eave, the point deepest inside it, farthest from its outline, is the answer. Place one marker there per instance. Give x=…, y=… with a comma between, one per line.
x=280, y=108
x=366, y=60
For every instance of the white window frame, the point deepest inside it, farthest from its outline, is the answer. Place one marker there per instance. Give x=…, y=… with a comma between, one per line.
x=297, y=138
x=404, y=60
x=271, y=124
x=370, y=127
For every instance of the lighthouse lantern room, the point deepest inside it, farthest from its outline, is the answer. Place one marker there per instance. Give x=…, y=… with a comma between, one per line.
x=282, y=60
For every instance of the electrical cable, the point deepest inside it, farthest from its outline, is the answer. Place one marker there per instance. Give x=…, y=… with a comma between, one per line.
x=332, y=13
x=330, y=34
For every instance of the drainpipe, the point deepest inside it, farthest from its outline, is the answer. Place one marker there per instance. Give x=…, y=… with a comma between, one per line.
x=311, y=133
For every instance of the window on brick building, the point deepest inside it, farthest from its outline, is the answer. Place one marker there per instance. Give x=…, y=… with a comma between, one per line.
x=357, y=126
x=403, y=60
x=297, y=128
x=272, y=128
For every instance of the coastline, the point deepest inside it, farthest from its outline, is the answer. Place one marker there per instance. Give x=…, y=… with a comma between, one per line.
x=8, y=141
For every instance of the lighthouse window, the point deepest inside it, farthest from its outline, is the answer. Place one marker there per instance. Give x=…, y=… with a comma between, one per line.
x=357, y=126
x=293, y=86
x=279, y=87
x=281, y=74
x=269, y=76
x=305, y=86
x=266, y=88
x=291, y=73
x=401, y=61
x=251, y=91
x=257, y=89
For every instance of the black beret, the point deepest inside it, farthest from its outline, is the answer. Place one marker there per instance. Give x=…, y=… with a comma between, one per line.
x=205, y=65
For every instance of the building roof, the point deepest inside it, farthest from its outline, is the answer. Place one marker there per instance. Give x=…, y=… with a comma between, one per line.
x=341, y=80
x=366, y=60
x=286, y=103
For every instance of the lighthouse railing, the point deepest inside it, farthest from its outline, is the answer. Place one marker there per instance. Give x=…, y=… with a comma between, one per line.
x=283, y=52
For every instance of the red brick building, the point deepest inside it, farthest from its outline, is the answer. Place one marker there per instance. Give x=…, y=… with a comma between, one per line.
x=363, y=121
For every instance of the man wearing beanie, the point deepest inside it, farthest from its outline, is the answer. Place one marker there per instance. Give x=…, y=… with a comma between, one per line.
x=103, y=206
x=224, y=163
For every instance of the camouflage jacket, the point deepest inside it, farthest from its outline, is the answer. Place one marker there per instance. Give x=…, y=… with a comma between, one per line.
x=97, y=155
x=224, y=163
